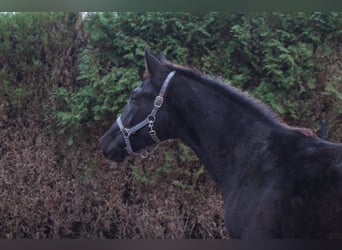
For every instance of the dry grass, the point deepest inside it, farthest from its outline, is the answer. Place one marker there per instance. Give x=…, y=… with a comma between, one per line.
x=49, y=190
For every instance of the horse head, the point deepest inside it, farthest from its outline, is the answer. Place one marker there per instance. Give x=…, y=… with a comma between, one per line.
x=145, y=120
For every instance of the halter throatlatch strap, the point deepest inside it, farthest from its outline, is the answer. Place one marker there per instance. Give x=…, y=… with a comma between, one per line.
x=148, y=121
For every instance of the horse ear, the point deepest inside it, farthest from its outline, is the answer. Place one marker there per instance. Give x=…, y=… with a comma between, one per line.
x=161, y=57
x=152, y=64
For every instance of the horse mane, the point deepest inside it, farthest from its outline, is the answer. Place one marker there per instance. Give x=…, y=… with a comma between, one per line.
x=243, y=97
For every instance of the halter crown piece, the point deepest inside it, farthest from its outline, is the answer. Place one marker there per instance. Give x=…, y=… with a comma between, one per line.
x=148, y=121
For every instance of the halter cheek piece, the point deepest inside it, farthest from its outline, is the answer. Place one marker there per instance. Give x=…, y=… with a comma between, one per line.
x=148, y=121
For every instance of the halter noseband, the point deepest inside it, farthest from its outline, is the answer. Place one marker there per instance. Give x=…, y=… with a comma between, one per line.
x=148, y=121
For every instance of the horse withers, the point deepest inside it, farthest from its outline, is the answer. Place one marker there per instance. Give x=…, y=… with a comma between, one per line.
x=277, y=181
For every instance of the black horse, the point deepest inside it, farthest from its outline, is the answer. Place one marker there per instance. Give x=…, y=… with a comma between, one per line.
x=277, y=181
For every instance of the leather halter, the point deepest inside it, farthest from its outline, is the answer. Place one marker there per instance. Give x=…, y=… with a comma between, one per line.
x=148, y=121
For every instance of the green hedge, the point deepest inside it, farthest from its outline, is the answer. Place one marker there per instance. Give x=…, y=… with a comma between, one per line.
x=38, y=51
x=91, y=64
x=274, y=56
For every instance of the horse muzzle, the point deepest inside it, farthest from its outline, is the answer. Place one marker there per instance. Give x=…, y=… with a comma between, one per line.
x=112, y=144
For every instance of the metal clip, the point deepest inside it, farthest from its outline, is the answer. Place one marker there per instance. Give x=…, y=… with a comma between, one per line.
x=158, y=102
x=144, y=154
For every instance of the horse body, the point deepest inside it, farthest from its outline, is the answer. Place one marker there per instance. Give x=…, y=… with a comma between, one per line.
x=277, y=181
x=286, y=195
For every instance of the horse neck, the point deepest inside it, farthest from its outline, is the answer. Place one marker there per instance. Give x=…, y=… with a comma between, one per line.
x=221, y=132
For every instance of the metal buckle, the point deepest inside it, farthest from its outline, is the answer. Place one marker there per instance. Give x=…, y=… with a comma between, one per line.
x=158, y=102
x=125, y=132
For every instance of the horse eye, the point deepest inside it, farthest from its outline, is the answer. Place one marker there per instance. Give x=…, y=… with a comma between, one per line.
x=134, y=94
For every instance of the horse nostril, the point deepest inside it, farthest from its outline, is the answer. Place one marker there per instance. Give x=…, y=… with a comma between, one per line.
x=105, y=154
